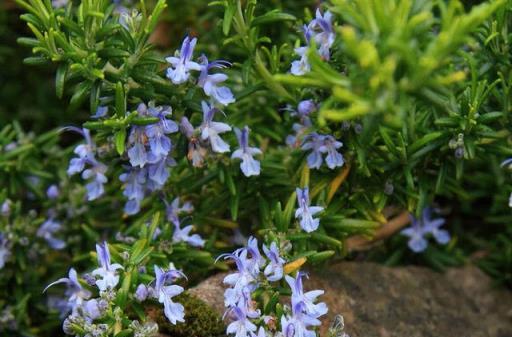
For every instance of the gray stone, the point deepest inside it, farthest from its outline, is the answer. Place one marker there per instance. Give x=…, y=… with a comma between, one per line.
x=378, y=301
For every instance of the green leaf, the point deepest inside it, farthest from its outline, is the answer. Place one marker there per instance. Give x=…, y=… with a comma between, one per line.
x=120, y=140
x=272, y=16
x=228, y=17
x=120, y=100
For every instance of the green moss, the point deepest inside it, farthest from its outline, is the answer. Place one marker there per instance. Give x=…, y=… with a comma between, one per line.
x=200, y=319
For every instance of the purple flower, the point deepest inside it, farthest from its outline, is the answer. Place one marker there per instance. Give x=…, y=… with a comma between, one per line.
x=47, y=230
x=52, y=192
x=59, y=3
x=306, y=212
x=300, y=130
x=174, y=209
x=319, y=144
x=419, y=228
x=274, y=270
x=210, y=83
x=301, y=66
x=5, y=210
x=241, y=326
x=107, y=271
x=305, y=108
x=134, y=188
x=142, y=293
x=159, y=143
x=323, y=33
x=432, y=226
x=183, y=235
x=76, y=294
x=97, y=179
x=315, y=143
x=249, y=165
x=181, y=63
x=334, y=158
x=95, y=174
x=158, y=173
x=244, y=279
x=100, y=112
x=5, y=251
x=196, y=152
x=210, y=130
x=137, y=152
x=305, y=301
x=297, y=325
x=175, y=312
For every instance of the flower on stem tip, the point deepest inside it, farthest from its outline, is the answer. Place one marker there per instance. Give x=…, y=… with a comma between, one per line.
x=249, y=165
x=175, y=312
x=210, y=130
x=209, y=83
x=305, y=212
x=95, y=174
x=107, y=271
x=181, y=63
x=76, y=294
x=183, y=235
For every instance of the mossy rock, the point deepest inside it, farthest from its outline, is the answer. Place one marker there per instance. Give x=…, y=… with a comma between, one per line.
x=200, y=319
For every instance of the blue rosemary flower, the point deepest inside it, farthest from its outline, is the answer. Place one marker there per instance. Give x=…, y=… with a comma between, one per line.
x=75, y=293
x=274, y=270
x=302, y=66
x=5, y=251
x=196, y=151
x=241, y=325
x=181, y=63
x=420, y=228
x=210, y=83
x=183, y=235
x=249, y=165
x=159, y=143
x=100, y=112
x=175, y=312
x=108, y=278
x=5, y=210
x=320, y=144
x=47, y=230
x=305, y=301
x=333, y=158
x=95, y=174
x=305, y=312
x=315, y=143
x=52, y=192
x=134, y=189
x=305, y=212
x=323, y=33
x=173, y=210
x=210, y=130
x=59, y=3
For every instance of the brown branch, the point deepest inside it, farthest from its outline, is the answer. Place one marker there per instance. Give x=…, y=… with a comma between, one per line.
x=361, y=242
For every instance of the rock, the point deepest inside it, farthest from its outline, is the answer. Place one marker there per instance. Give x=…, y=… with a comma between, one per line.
x=378, y=301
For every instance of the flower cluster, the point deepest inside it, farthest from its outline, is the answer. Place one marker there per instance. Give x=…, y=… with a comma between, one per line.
x=420, y=228
x=254, y=271
x=317, y=144
x=95, y=173
x=83, y=310
x=149, y=152
x=181, y=65
x=304, y=312
x=320, y=31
